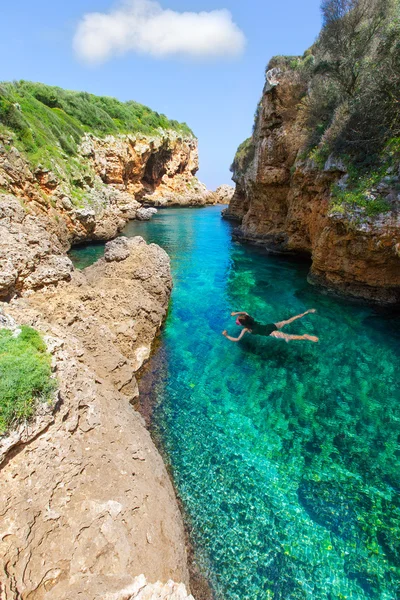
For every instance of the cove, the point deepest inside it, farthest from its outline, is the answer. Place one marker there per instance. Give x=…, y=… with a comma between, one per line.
x=286, y=456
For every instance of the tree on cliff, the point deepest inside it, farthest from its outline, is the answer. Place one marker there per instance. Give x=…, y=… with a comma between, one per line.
x=353, y=104
x=350, y=35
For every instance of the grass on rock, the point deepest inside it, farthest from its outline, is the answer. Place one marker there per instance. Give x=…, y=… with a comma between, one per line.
x=48, y=123
x=25, y=376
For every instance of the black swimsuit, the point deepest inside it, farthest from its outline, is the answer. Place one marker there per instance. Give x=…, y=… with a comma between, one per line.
x=265, y=330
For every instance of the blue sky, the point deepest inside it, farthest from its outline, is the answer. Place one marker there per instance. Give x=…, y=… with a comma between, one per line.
x=216, y=97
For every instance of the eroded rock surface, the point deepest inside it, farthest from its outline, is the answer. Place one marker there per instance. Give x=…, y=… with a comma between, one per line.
x=122, y=173
x=283, y=203
x=141, y=589
x=224, y=194
x=31, y=255
x=87, y=505
x=145, y=214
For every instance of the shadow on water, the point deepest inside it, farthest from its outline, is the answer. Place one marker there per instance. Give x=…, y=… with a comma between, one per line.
x=285, y=456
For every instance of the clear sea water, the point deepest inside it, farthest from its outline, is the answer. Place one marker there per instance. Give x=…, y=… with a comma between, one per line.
x=286, y=456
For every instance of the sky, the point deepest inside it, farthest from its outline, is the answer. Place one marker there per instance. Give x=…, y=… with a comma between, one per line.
x=206, y=68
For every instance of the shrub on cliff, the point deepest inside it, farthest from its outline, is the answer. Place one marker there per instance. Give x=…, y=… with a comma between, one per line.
x=25, y=376
x=243, y=157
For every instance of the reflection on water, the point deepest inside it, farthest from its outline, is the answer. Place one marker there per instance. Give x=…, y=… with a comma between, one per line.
x=286, y=456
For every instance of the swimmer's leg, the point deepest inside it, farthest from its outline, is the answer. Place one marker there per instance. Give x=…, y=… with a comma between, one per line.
x=283, y=323
x=285, y=336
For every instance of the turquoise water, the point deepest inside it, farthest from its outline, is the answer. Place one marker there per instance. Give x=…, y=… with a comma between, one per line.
x=286, y=456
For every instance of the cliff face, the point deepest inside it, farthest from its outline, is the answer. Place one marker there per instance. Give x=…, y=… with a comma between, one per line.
x=160, y=171
x=283, y=202
x=120, y=175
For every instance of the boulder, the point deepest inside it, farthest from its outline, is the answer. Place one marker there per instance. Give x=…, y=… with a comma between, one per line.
x=145, y=214
x=117, y=250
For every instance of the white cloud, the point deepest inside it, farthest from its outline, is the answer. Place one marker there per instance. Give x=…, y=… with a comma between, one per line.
x=143, y=26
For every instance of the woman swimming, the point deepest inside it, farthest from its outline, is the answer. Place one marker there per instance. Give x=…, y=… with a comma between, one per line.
x=250, y=325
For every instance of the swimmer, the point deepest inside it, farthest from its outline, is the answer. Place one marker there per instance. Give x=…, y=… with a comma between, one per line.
x=250, y=325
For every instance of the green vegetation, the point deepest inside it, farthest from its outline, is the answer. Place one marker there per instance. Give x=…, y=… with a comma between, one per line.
x=352, y=104
x=359, y=197
x=48, y=123
x=349, y=84
x=244, y=156
x=362, y=188
x=25, y=376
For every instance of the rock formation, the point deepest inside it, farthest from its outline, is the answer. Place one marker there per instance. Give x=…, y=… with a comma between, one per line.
x=31, y=255
x=283, y=202
x=224, y=194
x=145, y=214
x=159, y=170
x=122, y=174
x=87, y=505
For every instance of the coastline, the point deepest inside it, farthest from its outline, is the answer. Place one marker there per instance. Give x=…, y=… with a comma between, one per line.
x=148, y=377
x=97, y=482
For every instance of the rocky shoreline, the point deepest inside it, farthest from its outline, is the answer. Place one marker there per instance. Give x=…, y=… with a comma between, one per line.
x=87, y=504
x=283, y=202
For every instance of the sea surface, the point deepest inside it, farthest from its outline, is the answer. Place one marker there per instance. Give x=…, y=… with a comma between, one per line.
x=286, y=456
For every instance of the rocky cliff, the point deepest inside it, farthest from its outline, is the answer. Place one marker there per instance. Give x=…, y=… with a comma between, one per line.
x=91, y=162
x=88, y=509
x=283, y=201
x=122, y=174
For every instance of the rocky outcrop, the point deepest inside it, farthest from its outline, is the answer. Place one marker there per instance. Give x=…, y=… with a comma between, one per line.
x=160, y=171
x=31, y=255
x=87, y=505
x=145, y=214
x=118, y=175
x=283, y=202
x=224, y=194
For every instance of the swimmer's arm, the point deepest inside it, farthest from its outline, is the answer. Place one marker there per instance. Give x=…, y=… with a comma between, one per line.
x=228, y=337
x=235, y=314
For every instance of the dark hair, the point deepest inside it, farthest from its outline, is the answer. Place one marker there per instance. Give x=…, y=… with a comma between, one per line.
x=247, y=321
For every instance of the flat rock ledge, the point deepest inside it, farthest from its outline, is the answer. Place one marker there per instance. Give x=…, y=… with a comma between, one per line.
x=142, y=590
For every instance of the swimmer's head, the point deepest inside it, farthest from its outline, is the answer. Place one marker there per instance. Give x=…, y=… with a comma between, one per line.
x=246, y=321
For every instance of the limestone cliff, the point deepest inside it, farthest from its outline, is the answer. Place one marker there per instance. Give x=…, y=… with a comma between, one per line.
x=122, y=174
x=283, y=201
x=90, y=162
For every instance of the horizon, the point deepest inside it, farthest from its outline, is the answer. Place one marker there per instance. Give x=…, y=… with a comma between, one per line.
x=191, y=76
